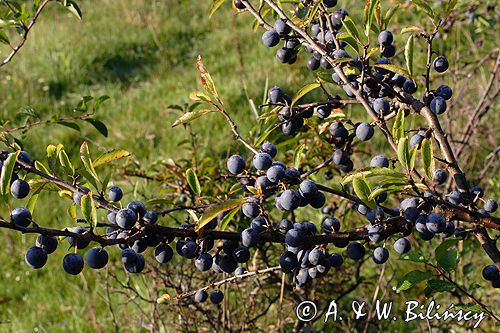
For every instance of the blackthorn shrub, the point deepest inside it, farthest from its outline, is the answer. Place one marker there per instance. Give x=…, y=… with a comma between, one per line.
x=224, y=220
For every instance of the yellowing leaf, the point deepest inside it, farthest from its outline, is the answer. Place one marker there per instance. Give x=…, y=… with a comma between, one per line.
x=88, y=209
x=190, y=116
x=398, y=129
x=362, y=191
x=403, y=153
x=87, y=161
x=110, y=156
x=193, y=181
x=428, y=157
x=409, y=54
x=206, y=78
x=211, y=214
x=7, y=170
x=305, y=90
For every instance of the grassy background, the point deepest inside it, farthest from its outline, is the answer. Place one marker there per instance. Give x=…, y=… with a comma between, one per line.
x=142, y=54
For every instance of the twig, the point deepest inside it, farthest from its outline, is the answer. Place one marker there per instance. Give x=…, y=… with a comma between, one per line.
x=478, y=112
x=478, y=302
x=219, y=283
x=26, y=29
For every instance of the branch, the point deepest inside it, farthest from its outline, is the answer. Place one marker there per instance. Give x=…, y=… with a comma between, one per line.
x=316, y=47
x=441, y=138
x=478, y=302
x=26, y=29
x=166, y=297
x=489, y=245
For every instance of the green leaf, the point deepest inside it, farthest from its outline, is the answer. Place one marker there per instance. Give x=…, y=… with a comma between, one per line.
x=351, y=28
x=88, y=209
x=313, y=11
x=303, y=91
x=390, y=13
x=425, y=7
x=40, y=167
x=349, y=40
x=341, y=61
x=368, y=14
x=403, y=153
x=193, y=106
x=395, y=69
x=215, y=6
x=6, y=175
x=99, y=125
x=378, y=17
x=444, y=246
x=450, y=7
x=427, y=157
x=225, y=221
x=297, y=156
x=394, y=186
x=415, y=256
x=211, y=214
x=33, y=198
x=65, y=162
x=105, y=182
x=83, y=104
x=446, y=258
x=412, y=278
x=265, y=135
x=4, y=38
x=87, y=161
x=110, y=156
x=412, y=29
x=206, y=79
x=190, y=116
x=413, y=156
x=88, y=177
x=398, y=128
x=409, y=54
x=366, y=10
x=52, y=156
x=29, y=111
x=72, y=212
x=362, y=191
x=72, y=6
x=193, y=181
x=99, y=101
x=69, y=124
x=436, y=286
x=469, y=268
x=374, y=172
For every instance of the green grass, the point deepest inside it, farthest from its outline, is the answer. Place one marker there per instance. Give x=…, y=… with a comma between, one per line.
x=142, y=55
